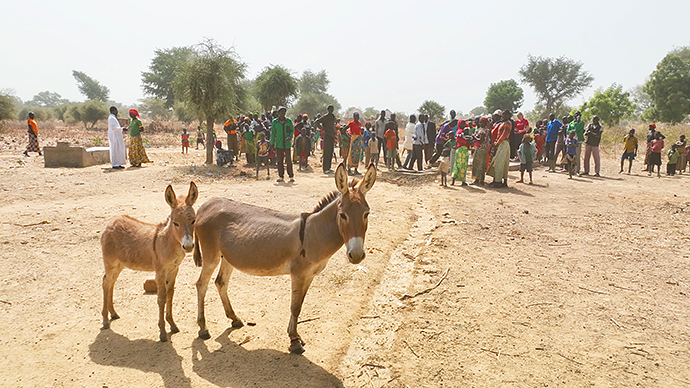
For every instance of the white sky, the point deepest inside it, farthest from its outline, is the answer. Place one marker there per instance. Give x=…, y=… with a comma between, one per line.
x=387, y=54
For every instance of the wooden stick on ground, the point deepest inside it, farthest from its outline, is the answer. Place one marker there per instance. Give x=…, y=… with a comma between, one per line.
x=406, y=296
x=410, y=347
x=570, y=359
x=594, y=291
x=309, y=320
x=614, y=321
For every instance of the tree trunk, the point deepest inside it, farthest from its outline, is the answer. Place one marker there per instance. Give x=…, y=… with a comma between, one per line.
x=210, y=122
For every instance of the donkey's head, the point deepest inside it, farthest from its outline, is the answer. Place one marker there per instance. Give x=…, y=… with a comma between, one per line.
x=182, y=215
x=353, y=212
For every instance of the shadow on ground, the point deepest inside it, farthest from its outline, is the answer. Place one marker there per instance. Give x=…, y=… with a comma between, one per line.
x=234, y=366
x=112, y=349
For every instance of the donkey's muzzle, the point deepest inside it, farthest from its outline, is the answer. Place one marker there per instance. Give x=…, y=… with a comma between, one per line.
x=355, y=250
x=187, y=243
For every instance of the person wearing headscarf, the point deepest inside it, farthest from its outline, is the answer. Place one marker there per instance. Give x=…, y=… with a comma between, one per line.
x=137, y=152
x=500, y=149
x=651, y=135
x=483, y=139
x=462, y=154
x=33, y=136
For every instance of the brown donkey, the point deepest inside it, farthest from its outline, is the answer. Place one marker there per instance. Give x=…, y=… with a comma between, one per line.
x=267, y=242
x=130, y=243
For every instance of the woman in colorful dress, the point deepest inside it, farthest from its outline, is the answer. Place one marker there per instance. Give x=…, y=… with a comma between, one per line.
x=137, y=153
x=33, y=136
x=500, y=149
x=462, y=154
x=482, y=138
x=354, y=129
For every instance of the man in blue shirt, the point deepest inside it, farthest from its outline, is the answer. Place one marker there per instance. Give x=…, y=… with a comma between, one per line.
x=551, y=136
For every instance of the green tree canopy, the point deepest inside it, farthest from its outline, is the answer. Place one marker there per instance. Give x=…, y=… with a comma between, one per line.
x=47, y=99
x=210, y=84
x=669, y=88
x=478, y=111
x=8, y=106
x=275, y=86
x=313, y=83
x=555, y=80
x=504, y=95
x=89, y=112
x=154, y=108
x=91, y=88
x=41, y=113
x=435, y=110
x=611, y=105
x=158, y=81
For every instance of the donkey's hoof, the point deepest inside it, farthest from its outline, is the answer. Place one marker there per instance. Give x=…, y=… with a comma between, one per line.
x=174, y=329
x=164, y=337
x=105, y=326
x=114, y=317
x=296, y=348
x=237, y=323
x=204, y=335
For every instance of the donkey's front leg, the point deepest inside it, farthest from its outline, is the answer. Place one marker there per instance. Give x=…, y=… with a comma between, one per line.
x=300, y=285
x=162, y=296
x=170, y=284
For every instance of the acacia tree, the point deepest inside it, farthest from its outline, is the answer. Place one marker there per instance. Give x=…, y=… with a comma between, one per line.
x=210, y=84
x=555, y=80
x=7, y=106
x=91, y=88
x=504, y=95
x=433, y=109
x=48, y=99
x=669, y=88
x=275, y=86
x=313, y=97
x=611, y=105
x=158, y=81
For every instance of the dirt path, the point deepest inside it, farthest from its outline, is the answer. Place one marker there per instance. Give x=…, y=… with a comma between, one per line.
x=567, y=283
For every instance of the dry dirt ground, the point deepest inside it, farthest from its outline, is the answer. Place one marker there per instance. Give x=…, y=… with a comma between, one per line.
x=581, y=282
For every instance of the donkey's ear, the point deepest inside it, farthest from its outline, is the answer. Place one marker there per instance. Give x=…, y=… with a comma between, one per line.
x=368, y=180
x=192, y=195
x=341, y=179
x=170, y=197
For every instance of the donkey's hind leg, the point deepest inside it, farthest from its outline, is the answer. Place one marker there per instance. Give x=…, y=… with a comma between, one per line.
x=161, y=277
x=109, y=279
x=222, y=285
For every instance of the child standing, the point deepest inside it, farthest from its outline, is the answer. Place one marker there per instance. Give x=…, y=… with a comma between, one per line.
x=673, y=156
x=539, y=139
x=262, y=148
x=655, y=155
x=200, y=137
x=444, y=163
x=571, y=144
x=185, y=141
x=526, y=153
x=629, y=149
x=392, y=143
x=682, y=161
x=374, y=150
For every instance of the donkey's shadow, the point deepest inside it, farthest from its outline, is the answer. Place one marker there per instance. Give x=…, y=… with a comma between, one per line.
x=146, y=355
x=234, y=366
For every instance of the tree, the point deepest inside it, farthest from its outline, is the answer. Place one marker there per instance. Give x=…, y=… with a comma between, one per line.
x=669, y=88
x=41, y=113
x=89, y=112
x=478, y=111
x=611, y=105
x=275, y=86
x=47, y=99
x=158, y=81
x=555, y=80
x=91, y=88
x=504, y=95
x=154, y=108
x=210, y=84
x=641, y=100
x=435, y=110
x=7, y=106
x=313, y=83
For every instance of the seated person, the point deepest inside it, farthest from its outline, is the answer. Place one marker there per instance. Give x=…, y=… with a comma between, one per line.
x=223, y=157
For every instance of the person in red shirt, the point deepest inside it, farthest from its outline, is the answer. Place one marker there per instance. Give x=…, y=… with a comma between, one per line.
x=521, y=128
x=354, y=129
x=33, y=136
x=392, y=143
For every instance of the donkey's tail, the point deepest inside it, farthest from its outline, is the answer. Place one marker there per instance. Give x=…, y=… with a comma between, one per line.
x=197, y=252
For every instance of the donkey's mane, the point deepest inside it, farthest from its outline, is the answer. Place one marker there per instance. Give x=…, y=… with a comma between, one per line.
x=332, y=196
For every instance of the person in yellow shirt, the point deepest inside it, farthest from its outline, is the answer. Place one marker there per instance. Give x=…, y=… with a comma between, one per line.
x=33, y=136
x=629, y=149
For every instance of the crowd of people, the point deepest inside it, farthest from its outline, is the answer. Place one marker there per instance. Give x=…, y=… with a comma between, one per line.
x=272, y=139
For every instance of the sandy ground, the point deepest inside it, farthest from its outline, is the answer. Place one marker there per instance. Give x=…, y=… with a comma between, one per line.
x=580, y=282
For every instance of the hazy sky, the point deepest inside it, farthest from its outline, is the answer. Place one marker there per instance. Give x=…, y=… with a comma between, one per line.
x=386, y=54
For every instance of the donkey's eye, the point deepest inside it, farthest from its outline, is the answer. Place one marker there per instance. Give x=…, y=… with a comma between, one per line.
x=343, y=216
x=176, y=224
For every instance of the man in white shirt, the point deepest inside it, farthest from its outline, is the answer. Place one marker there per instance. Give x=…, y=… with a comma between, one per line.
x=419, y=139
x=380, y=130
x=116, y=142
